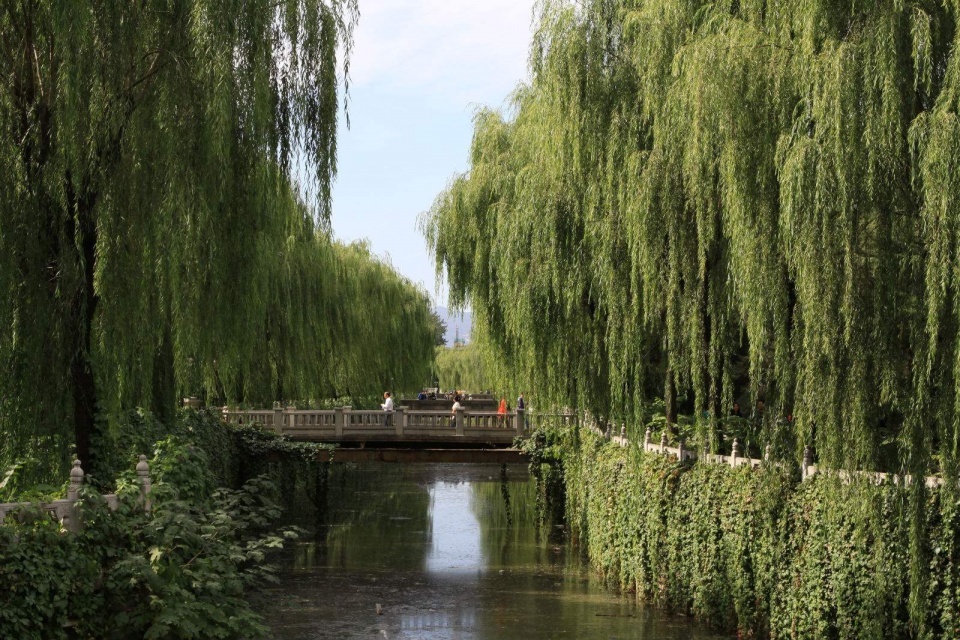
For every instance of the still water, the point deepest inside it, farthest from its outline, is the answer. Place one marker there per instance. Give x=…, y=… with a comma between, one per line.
x=448, y=552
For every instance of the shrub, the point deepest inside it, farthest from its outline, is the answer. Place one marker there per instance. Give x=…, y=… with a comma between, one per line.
x=178, y=571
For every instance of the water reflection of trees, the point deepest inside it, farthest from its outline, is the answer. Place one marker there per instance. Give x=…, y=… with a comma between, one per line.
x=377, y=517
x=508, y=527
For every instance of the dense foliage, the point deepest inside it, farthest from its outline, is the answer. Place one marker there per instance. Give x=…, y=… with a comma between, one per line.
x=182, y=570
x=719, y=201
x=154, y=240
x=709, y=202
x=758, y=551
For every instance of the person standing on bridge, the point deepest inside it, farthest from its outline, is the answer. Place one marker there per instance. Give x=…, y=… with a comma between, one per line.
x=453, y=413
x=387, y=407
x=522, y=406
x=502, y=411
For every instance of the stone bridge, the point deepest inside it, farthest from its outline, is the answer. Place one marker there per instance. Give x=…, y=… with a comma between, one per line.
x=404, y=429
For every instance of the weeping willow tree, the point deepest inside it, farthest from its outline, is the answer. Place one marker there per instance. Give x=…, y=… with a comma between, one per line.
x=690, y=190
x=694, y=200
x=150, y=229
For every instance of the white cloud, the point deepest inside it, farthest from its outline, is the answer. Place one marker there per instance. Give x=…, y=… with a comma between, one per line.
x=453, y=51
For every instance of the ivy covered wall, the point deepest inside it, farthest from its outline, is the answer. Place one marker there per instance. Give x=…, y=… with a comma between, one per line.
x=761, y=553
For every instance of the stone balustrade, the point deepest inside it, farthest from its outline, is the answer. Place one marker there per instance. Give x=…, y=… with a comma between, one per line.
x=66, y=510
x=736, y=459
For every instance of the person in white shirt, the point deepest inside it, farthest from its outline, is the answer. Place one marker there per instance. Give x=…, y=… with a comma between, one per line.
x=453, y=413
x=387, y=406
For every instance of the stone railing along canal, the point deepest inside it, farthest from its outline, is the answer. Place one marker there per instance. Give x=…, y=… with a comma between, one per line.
x=66, y=510
x=735, y=459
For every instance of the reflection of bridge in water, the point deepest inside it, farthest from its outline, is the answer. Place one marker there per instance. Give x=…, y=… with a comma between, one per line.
x=405, y=435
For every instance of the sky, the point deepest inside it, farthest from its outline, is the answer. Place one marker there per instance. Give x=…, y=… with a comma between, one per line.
x=419, y=71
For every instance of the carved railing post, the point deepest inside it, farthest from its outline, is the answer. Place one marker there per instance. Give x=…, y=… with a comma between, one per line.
x=76, y=479
x=680, y=451
x=609, y=432
x=346, y=420
x=518, y=421
x=399, y=420
x=338, y=421
x=278, y=418
x=73, y=495
x=767, y=452
x=735, y=453
x=459, y=420
x=623, y=430
x=289, y=418
x=143, y=474
x=663, y=441
x=807, y=462
x=647, y=440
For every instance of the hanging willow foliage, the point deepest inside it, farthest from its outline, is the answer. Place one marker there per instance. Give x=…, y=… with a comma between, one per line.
x=149, y=233
x=708, y=201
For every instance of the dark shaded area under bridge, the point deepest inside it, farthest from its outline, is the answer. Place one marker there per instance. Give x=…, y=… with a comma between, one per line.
x=385, y=454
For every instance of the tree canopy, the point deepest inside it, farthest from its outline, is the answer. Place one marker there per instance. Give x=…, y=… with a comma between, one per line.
x=462, y=367
x=709, y=201
x=152, y=230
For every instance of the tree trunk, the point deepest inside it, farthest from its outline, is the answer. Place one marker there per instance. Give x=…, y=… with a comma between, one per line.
x=670, y=398
x=164, y=393
x=83, y=312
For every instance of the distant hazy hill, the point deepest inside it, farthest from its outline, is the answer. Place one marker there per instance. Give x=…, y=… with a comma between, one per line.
x=460, y=322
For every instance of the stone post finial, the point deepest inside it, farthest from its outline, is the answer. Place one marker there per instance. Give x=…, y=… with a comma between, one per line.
x=680, y=451
x=807, y=460
x=143, y=474
x=663, y=441
x=609, y=431
x=76, y=479
x=647, y=437
x=767, y=452
x=735, y=452
x=623, y=430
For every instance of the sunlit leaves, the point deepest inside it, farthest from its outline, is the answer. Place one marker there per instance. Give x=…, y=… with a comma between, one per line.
x=733, y=200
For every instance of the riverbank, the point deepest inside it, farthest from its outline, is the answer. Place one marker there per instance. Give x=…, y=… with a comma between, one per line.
x=757, y=552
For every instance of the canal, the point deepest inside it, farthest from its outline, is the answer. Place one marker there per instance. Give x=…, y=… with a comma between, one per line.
x=448, y=552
